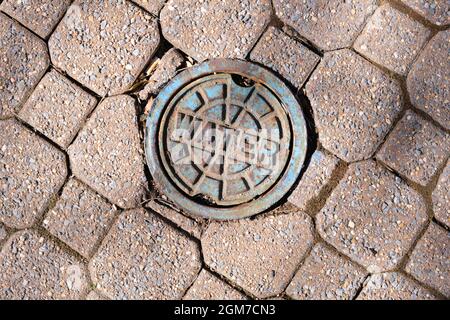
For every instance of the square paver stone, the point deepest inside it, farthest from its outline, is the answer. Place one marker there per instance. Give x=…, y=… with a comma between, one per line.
x=214, y=28
x=145, y=258
x=430, y=260
x=31, y=173
x=416, y=148
x=259, y=255
x=315, y=179
x=325, y=275
x=436, y=11
x=354, y=104
x=393, y=286
x=152, y=6
x=35, y=268
x=392, y=39
x=429, y=79
x=57, y=108
x=286, y=56
x=41, y=16
x=441, y=197
x=23, y=59
x=80, y=218
x=372, y=216
x=107, y=153
x=209, y=287
x=104, y=44
x=329, y=24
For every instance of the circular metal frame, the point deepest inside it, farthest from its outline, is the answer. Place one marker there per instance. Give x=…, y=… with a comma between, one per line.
x=162, y=106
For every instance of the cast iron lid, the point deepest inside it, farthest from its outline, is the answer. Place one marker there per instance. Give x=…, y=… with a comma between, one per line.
x=225, y=139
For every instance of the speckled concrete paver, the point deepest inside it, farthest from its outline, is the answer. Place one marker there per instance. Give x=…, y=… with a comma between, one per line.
x=145, y=258
x=416, y=148
x=429, y=80
x=372, y=216
x=82, y=218
x=258, y=255
x=57, y=108
x=31, y=173
x=209, y=287
x=392, y=39
x=393, y=286
x=289, y=58
x=37, y=15
x=24, y=60
x=354, y=104
x=104, y=44
x=34, y=267
x=429, y=262
x=326, y=275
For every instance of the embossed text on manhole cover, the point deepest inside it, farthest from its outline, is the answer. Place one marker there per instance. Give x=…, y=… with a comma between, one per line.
x=225, y=139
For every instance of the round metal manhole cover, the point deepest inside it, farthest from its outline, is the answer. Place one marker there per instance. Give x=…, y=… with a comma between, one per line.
x=225, y=139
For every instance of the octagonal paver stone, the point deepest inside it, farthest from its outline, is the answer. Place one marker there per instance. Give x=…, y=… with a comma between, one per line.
x=31, y=173
x=441, y=197
x=214, y=28
x=57, y=108
x=315, y=179
x=326, y=274
x=429, y=79
x=415, y=148
x=372, y=216
x=209, y=287
x=24, y=60
x=289, y=58
x=354, y=104
x=36, y=268
x=107, y=153
x=430, y=260
x=145, y=258
x=393, y=286
x=258, y=255
x=37, y=15
x=436, y=11
x=393, y=39
x=80, y=218
x=329, y=24
x=104, y=44
x=152, y=6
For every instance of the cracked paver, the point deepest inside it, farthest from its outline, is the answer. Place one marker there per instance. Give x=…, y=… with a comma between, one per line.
x=372, y=216
x=36, y=268
x=214, y=28
x=31, y=173
x=354, y=104
x=436, y=11
x=326, y=274
x=57, y=108
x=330, y=24
x=24, y=60
x=37, y=15
x=107, y=154
x=393, y=286
x=80, y=218
x=429, y=262
x=392, y=39
x=209, y=287
x=104, y=44
x=289, y=58
x=441, y=197
x=258, y=255
x=144, y=258
x=429, y=80
x=416, y=148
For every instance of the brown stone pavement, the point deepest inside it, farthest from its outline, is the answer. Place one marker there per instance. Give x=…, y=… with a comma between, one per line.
x=80, y=219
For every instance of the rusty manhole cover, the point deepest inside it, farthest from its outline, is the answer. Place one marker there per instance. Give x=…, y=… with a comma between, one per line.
x=225, y=139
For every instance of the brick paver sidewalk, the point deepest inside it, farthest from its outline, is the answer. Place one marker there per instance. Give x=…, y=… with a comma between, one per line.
x=81, y=219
